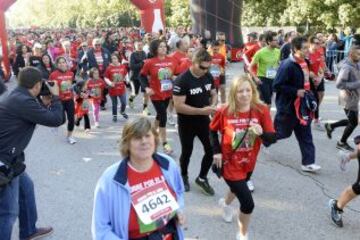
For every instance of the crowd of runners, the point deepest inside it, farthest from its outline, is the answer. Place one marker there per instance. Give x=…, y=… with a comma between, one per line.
x=183, y=76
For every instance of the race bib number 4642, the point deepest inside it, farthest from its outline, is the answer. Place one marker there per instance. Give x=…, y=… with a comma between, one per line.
x=154, y=202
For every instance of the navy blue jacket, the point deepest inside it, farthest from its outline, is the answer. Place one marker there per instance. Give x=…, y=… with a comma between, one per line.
x=19, y=114
x=289, y=79
x=92, y=60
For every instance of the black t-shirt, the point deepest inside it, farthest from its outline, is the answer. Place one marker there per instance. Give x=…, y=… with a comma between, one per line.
x=34, y=61
x=196, y=90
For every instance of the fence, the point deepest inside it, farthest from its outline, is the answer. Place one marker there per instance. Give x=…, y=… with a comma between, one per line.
x=333, y=58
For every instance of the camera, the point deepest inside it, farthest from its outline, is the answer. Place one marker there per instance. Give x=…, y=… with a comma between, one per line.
x=45, y=91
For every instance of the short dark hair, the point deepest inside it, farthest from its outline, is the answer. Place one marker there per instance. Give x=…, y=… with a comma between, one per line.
x=269, y=36
x=28, y=77
x=215, y=43
x=262, y=37
x=178, y=43
x=201, y=55
x=297, y=43
x=154, y=45
x=312, y=39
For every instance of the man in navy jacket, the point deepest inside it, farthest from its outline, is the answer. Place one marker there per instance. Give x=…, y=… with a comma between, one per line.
x=292, y=81
x=20, y=111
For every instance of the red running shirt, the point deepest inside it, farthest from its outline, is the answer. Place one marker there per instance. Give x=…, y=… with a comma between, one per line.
x=139, y=181
x=64, y=80
x=95, y=89
x=217, y=68
x=116, y=74
x=237, y=163
x=159, y=71
x=316, y=62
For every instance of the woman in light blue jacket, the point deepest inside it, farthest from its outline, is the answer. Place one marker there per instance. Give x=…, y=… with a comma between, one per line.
x=142, y=197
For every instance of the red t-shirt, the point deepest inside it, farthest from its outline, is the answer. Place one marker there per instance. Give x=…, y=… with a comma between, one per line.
x=64, y=80
x=217, y=68
x=237, y=163
x=182, y=61
x=304, y=66
x=96, y=88
x=249, y=51
x=116, y=74
x=160, y=72
x=81, y=105
x=316, y=62
x=139, y=181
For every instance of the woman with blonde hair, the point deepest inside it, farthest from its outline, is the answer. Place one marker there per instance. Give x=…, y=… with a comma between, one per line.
x=244, y=122
x=142, y=196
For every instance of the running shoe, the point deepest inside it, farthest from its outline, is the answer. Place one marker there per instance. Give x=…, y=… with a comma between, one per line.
x=87, y=130
x=344, y=146
x=167, y=148
x=239, y=237
x=310, y=168
x=205, y=186
x=146, y=112
x=186, y=183
x=250, y=185
x=227, y=212
x=71, y=140
x=344, y=159
x=328, y=130
x=335, y=213
x=102, y=108
x=171, y=119
x=318, y=126
x=97, y=125
x=114, y=119
x=131, y=103
x=125, y=115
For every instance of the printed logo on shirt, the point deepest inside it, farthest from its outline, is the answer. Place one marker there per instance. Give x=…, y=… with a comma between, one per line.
x=65, y=86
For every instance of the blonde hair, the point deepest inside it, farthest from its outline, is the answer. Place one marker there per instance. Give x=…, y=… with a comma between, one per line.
x=235, y=84
x=136, y=129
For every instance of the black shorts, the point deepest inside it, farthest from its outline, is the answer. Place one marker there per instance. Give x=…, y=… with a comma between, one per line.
x=321, y=87
x=266, y=90
x=222, y=80
x=161, y=111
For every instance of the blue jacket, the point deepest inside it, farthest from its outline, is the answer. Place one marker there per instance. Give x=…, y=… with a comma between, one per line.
x=92, y=60
x=112, y=201
x=289, y=79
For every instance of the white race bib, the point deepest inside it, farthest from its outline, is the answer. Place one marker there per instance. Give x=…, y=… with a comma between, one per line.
x=166, y=85
x=154, y=203
x=271, y=72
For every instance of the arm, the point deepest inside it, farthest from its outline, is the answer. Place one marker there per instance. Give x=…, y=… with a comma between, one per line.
x=214, y=141
x=343, y=83
x=281, y=80
x=214, y=97
x=100, y=227
x=32, y=111
x=182, y=107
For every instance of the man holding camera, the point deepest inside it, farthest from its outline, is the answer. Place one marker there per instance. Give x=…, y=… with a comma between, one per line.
x=20, y=111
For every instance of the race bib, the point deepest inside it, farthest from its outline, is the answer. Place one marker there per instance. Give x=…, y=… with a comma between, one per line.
x=166, y=85
x=154, y=203
x=215, y=71
x=271, y=72
x=85, y=105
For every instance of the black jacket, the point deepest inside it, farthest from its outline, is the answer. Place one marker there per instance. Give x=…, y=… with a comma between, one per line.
x=19, y=63
x=136, y=63
x=19, y=114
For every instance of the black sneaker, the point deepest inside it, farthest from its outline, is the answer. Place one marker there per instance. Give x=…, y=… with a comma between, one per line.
x=124, y=115
x=328, y=130
x=344, y=146
x=205, y=186
x=336, y=214
x=186, y=183
x=114, y=118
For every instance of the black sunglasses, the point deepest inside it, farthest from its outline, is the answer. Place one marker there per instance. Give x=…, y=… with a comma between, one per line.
x=203, y=68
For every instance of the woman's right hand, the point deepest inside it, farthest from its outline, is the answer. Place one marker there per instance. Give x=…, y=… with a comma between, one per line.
x=149, y=91
x=218, y=159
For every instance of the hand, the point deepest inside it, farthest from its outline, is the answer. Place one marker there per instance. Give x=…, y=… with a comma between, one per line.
x=300, y=93
x=46, y=100
x=208, y=110
x=54, y=90
x=180, y=217
x=257, y=129
x=257, y=80
x=218, y=159
x=149, y=91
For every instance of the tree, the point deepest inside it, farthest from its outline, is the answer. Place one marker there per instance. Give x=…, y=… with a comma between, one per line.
x=180, y=13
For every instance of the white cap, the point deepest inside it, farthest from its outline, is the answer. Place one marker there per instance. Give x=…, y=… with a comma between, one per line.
x=37, y=45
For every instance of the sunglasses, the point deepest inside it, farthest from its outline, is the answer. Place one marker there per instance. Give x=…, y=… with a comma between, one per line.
x=203, y=68
x=222, y=40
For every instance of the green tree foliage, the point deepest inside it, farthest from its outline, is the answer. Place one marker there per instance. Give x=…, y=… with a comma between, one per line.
x=180, y=13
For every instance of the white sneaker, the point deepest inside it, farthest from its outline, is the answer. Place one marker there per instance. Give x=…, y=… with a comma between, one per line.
x=344, y=159
x=318, y=126
x=227, y=212
x=171, y=119
x=239, y=237
x=87, y=130
x=250, y=185
x=310, y=168
x=71, y=140
x=97, y=125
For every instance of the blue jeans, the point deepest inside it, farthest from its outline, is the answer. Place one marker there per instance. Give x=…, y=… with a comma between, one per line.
x=114, y=100
x=18, y=200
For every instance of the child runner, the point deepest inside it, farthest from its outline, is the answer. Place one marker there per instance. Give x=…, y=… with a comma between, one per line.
x=95, y=86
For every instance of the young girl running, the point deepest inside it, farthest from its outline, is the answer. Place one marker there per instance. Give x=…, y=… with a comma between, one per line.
x=95, y=86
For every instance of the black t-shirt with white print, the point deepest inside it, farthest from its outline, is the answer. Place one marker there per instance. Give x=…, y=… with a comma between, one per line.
x=196, y=90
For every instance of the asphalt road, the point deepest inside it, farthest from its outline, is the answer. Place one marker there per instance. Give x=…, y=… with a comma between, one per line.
x=288, y=203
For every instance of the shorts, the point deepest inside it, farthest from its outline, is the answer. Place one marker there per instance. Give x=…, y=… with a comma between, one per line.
x=266, y=90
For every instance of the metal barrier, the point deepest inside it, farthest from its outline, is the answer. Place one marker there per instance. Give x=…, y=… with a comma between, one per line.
x=333, y=58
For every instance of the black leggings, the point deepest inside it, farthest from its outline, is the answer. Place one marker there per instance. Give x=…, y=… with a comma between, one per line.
x=69, y=109
x=188, y=130
x=243, y=194
x=86, y=121
x=161, y=111
x=350, y=124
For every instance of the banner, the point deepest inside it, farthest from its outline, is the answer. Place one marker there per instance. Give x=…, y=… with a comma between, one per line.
x=152, y=14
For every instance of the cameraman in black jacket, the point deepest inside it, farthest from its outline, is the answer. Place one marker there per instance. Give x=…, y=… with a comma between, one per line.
x=20, y=111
